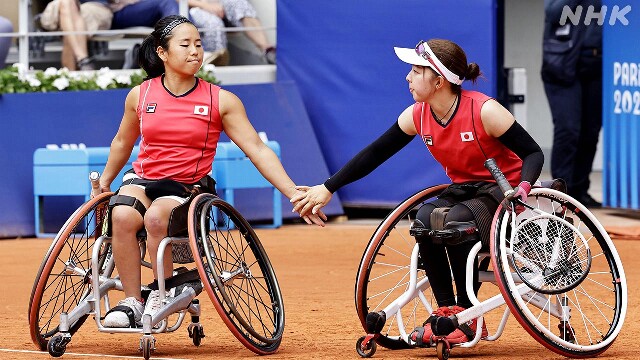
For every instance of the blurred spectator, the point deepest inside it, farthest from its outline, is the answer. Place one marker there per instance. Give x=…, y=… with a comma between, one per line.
x=74, y=15
x=92, y=15
x=130, y=13
x=216, y=14
x=5, y=42
x=572, y=76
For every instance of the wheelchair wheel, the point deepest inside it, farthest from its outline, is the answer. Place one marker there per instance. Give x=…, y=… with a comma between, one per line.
x=383, y=274
x=64, y=277
x=236, y=274
x=560, y=274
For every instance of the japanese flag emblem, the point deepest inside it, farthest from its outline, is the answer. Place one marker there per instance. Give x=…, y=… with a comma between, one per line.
x=466, y=136
x=201, y=110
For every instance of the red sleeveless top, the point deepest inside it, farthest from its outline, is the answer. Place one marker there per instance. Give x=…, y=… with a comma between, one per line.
x=179, y=134
x=462, y=146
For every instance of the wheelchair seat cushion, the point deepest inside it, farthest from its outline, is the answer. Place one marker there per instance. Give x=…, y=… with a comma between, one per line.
x=179, y=217
x=178, y=224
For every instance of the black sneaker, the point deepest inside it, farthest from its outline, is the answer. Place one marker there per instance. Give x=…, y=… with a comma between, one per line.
x=589, y=202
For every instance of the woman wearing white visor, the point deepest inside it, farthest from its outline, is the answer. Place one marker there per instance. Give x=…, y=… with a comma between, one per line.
x=461, y=129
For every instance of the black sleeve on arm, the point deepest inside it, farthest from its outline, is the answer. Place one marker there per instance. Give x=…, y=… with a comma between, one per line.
x=518, y=140
x=369, y=158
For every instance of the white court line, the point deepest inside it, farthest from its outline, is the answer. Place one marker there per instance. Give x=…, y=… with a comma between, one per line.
x=91, y=355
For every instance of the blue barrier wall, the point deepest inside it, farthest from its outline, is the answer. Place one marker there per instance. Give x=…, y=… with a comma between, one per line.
x=340, y=53
x=621, y=108
x=30, y=121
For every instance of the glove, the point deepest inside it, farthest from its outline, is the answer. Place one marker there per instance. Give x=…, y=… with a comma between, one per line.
x=520, y=192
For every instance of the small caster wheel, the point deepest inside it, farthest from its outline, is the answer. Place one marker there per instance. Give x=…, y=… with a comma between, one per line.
x=196, y=333
x=367, y=350
x=147, y=345
x=57, y=345
x=443, y=350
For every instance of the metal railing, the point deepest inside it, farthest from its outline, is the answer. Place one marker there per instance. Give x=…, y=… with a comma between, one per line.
x=24, y=34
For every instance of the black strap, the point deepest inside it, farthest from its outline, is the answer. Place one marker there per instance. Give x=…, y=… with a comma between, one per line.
x=177, y=280
x=468, y=331
x=136, y=181
x=128, y=201
x=207, y=183
x=127, y=311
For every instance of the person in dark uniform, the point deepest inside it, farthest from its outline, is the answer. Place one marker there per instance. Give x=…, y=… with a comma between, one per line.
x=572, y=77
x=461, y=129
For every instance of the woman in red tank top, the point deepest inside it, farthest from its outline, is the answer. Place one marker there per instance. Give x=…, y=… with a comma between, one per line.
x=179, y=119
x=461, y=129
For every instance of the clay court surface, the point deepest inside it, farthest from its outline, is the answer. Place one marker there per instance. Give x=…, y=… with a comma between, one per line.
x=316, y=269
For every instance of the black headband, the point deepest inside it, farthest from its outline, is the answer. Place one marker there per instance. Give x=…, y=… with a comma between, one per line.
x=172, y=25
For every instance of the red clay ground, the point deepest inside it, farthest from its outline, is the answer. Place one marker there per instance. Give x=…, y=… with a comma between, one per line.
x=316, y=269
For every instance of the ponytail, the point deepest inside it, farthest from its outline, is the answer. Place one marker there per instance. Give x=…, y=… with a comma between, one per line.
x=148, y=58
x=472, y=73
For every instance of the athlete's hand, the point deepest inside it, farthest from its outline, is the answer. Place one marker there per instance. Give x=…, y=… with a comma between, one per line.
x=317, y=219
x=310, y=218
x=521, y=192
x=311, y=200
x=97, y=187
x=97, y=191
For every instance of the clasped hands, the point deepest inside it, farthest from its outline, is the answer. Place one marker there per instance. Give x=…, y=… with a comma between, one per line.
x=308, y=202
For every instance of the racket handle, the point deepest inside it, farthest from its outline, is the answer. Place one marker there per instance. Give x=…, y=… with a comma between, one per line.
x=497, y=174
x=94, y=177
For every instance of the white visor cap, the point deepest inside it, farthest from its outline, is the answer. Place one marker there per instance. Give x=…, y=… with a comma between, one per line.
x=410, y=56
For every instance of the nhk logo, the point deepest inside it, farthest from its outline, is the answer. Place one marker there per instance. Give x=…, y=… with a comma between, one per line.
x=574, y=17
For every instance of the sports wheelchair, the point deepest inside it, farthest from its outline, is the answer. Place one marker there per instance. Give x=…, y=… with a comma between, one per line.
x=227, y=259
x=554, y=264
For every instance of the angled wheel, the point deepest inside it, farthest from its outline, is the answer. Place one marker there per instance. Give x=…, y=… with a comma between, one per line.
x=57, y=346
x=147, y=346
x=64, y=277
x=560, y=274
x=236, y=274
x=365, y=351
x=443, y=350
x=383, y=274
x=197, y=335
